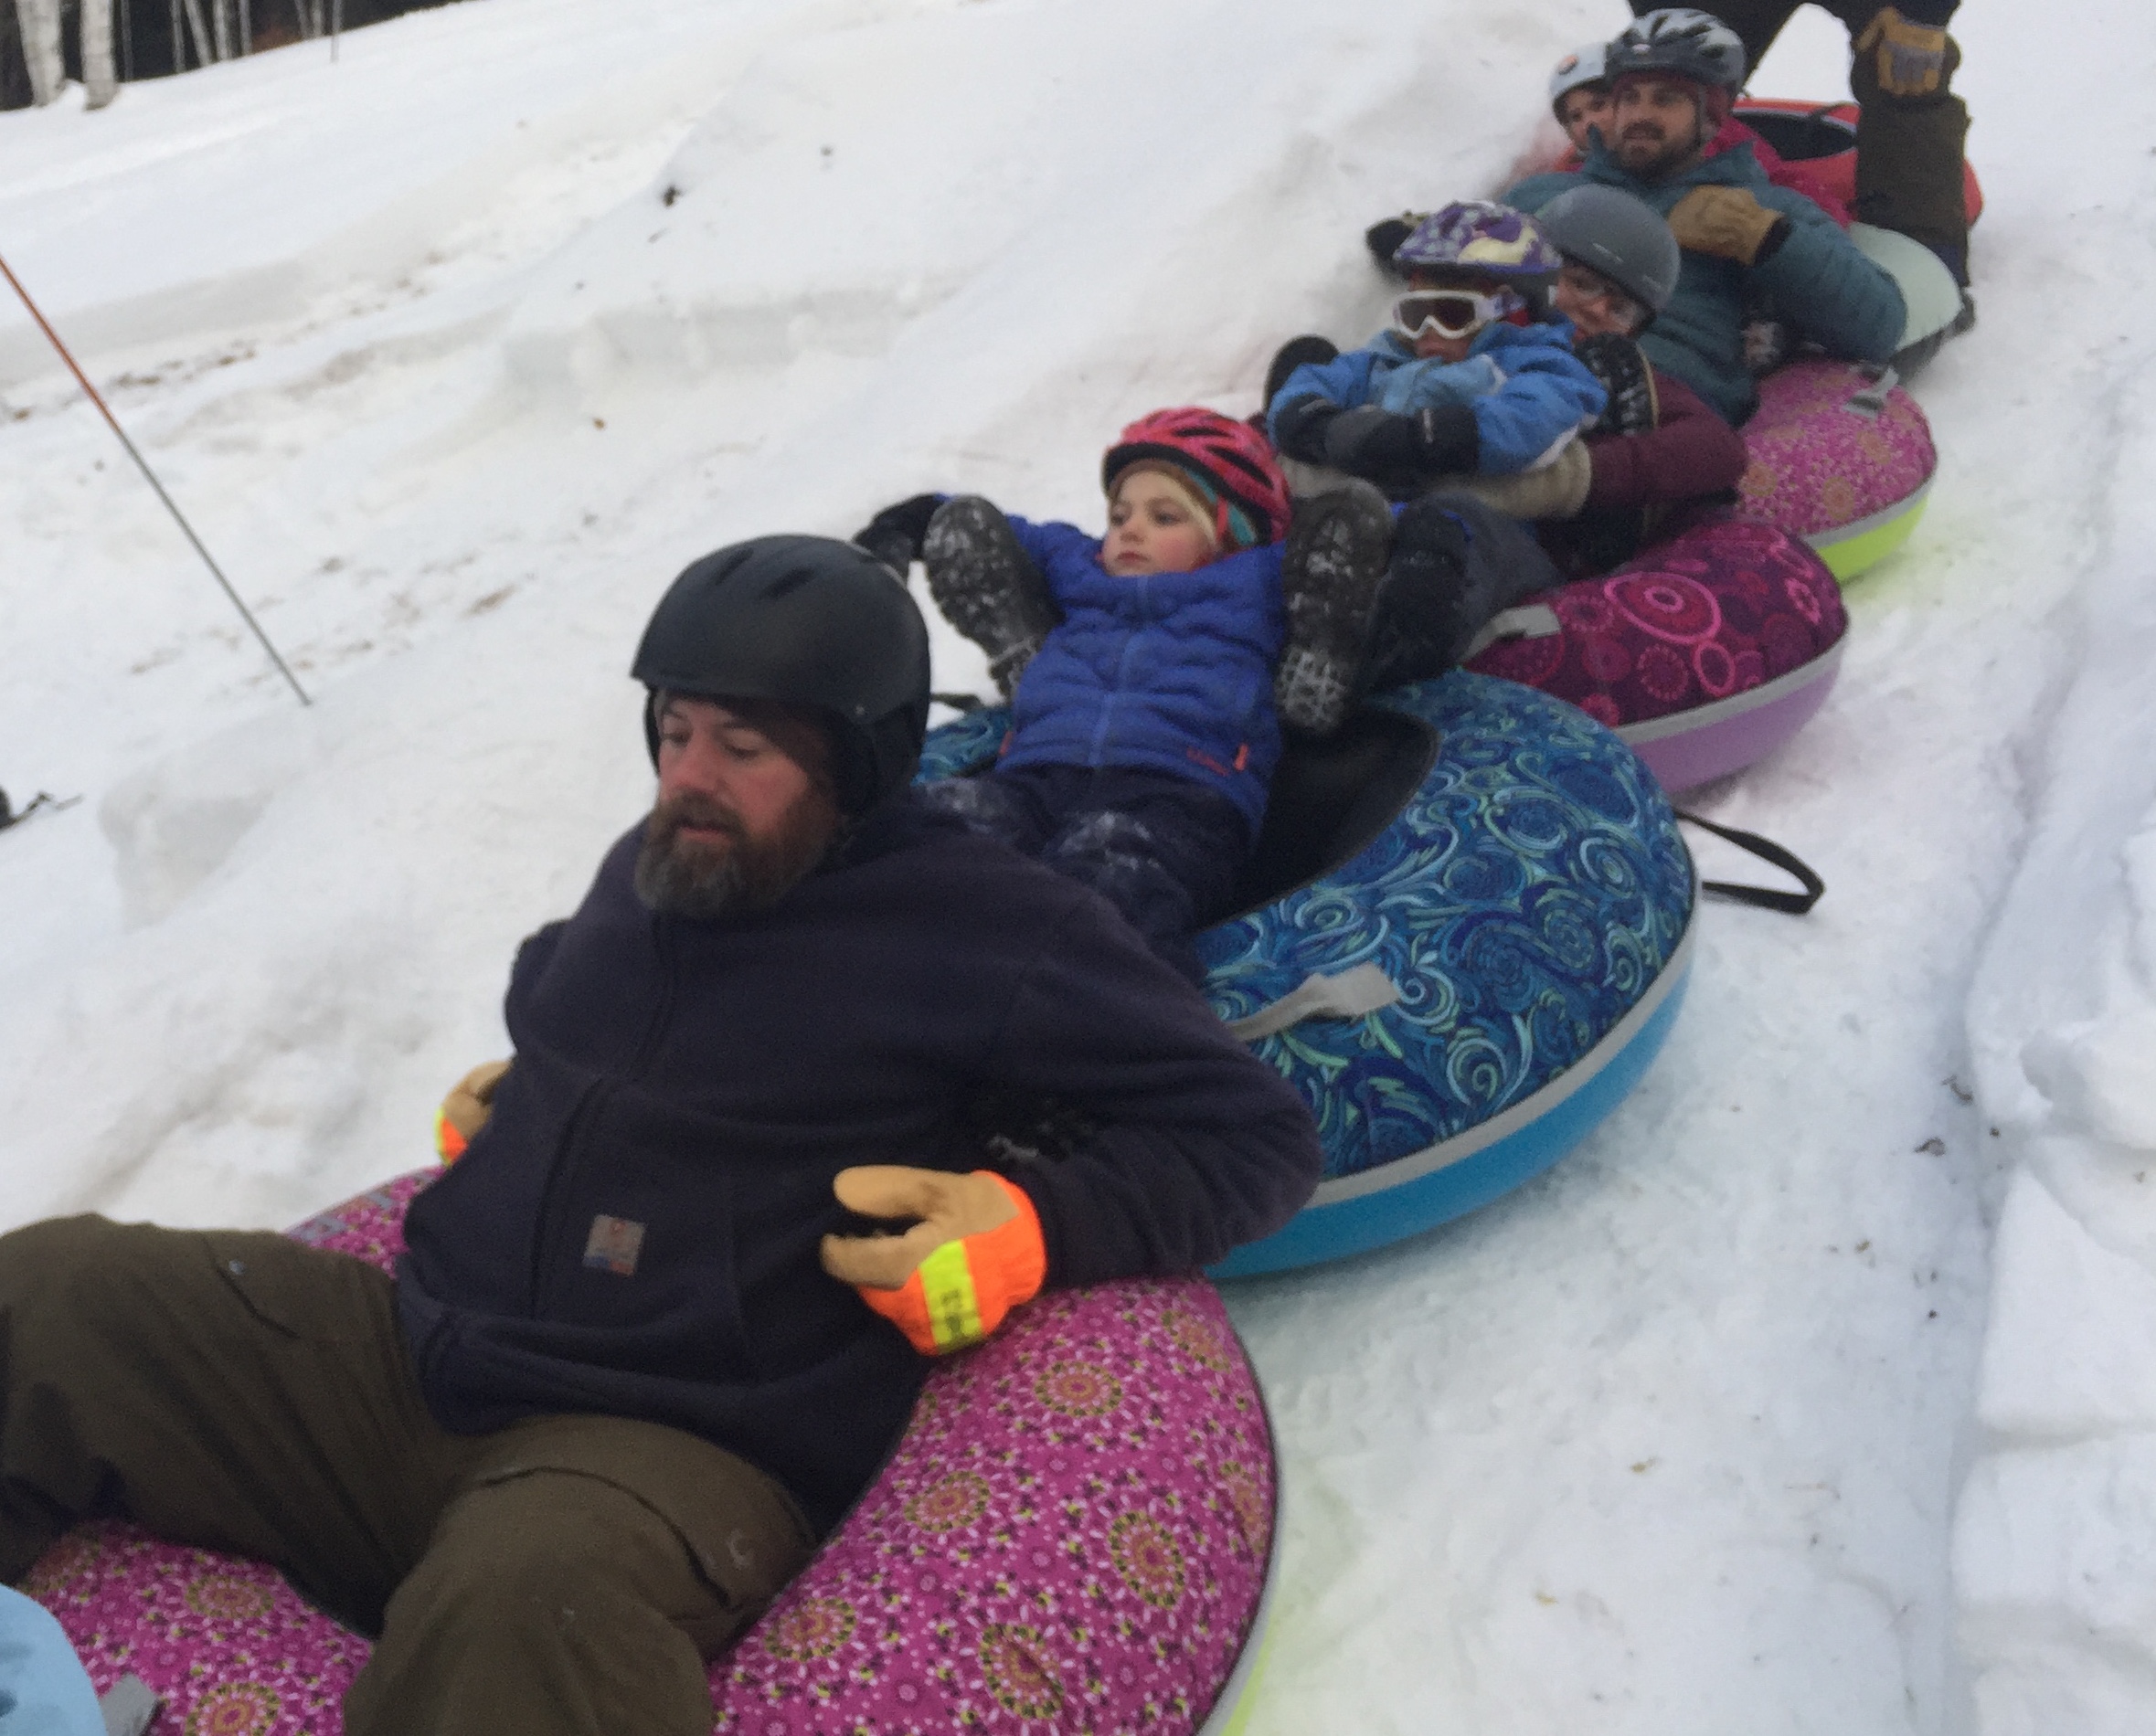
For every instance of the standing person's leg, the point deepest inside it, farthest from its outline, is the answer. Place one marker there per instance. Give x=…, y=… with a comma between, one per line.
x=578, y=1583
x=1909, y=131
x=1757, y=22
x=229, y=1391
x=1161, y=849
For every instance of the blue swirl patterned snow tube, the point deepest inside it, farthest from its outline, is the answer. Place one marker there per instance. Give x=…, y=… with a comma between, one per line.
x=1477, y=964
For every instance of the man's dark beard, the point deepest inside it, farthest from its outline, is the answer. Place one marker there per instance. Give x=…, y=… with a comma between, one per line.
x=680, y=876
x=1671, y=155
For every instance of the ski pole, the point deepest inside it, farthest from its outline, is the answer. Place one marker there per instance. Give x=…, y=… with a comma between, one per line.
x=150, y=475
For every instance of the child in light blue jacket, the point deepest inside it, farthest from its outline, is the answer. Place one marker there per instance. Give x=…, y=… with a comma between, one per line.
x=1463, y=383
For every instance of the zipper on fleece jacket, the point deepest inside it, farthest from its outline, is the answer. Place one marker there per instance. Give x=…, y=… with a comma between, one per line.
x=546, y=1240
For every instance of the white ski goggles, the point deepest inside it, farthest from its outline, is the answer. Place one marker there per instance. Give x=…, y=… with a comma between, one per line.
x=1449, y=312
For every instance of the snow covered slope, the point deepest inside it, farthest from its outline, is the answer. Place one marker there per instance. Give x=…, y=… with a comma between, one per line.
x=459, y=350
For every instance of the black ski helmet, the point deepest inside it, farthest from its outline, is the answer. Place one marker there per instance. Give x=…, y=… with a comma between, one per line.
x=810, y=621
x=1622, y=237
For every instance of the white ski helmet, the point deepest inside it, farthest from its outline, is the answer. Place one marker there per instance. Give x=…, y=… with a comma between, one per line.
x=1580, y=68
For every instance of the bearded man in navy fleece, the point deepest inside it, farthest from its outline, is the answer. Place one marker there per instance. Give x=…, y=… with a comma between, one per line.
x=644, y=1349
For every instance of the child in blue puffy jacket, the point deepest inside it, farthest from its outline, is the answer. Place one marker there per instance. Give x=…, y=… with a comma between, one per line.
x=1463, y=383
x=1140, y=665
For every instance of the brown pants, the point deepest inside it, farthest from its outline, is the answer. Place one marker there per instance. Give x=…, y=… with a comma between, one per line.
x=240, y=1391
x=1909, y=149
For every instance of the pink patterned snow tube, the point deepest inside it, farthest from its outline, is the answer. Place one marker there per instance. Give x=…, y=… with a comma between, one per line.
x=1838, y=461
x=1075, y=1533
x=1704, y=654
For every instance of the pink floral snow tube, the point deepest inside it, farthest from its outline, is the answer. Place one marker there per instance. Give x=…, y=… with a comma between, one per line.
x=1073, y=1535
x=1724, y=608
x=1830, y=454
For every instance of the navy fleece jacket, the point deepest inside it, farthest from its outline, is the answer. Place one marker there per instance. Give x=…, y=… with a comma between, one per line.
x=701, y=1083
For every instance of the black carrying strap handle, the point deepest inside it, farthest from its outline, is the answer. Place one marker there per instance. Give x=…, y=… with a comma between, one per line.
x=1794, y=903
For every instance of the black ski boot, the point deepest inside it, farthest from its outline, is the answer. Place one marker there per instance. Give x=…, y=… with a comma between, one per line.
x=1457, y=564
x=1297, y=352
x=1329, y=578
x=987, y=585
x=1420, y=615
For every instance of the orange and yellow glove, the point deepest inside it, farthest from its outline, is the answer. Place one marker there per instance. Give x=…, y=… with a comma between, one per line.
x=974, y=1254
x=464, y=1111
x=1912, y=56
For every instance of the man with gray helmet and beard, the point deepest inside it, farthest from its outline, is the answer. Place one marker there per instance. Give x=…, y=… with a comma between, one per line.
x=642, y=1351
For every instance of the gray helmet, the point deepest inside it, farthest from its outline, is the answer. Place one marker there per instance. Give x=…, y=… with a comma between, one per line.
x=1683, y=41
x=810, y=621
x=1624, y=238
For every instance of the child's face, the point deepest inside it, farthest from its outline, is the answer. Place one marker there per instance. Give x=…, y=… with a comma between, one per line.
x=1578, y=110
x=1593, y=303
x=1151, y=528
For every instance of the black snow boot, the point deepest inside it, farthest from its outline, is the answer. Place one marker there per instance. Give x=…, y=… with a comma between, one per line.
x=1622, y=367
x=1330, y=575
x=987, y=585
x=1297, y=352
x=1456, y=564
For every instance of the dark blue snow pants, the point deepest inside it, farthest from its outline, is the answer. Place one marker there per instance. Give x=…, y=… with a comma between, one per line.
x=1163, y=849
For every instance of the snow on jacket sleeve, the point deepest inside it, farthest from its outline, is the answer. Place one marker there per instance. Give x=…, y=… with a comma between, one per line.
x=1841, y=300
x=1692, y=453
x=1548, y=392
x=1201, y=1146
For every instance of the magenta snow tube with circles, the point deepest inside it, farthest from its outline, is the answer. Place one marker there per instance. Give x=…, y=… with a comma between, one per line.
x=1840, y=456
x=1076, y=1532
x=1704, y=654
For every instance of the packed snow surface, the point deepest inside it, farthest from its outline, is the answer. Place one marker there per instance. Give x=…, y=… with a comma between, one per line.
x=1816, y=1392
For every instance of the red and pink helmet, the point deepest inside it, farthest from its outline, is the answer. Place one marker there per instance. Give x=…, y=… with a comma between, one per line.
x=1231, y=463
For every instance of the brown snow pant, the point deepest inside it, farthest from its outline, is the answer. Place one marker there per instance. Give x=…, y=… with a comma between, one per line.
x=1909, y=149
x=238, y=1392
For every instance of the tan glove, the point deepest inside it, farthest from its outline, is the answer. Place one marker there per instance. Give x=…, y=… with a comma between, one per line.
x=1912, y=57
x=947, y=1282
x=1728, y=222
x=1557, y=490
x=466, y=1108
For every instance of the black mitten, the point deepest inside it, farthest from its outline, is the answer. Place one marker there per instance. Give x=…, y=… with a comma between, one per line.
x=1401, y=453
x=1383, y=240
x=894, y=535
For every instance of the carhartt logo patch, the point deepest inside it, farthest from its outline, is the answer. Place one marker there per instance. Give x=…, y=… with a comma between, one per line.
x=613, y=1245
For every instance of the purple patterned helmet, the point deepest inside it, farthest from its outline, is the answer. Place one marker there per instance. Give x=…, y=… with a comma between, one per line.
x=1480, y=236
